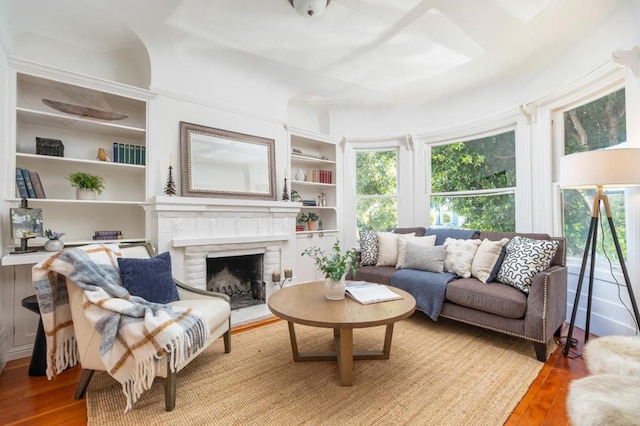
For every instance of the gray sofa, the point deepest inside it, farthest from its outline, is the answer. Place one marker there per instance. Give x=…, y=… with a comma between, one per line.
x=537, y=316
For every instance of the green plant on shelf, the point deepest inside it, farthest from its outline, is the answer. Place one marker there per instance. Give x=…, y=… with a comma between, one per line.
x=87, y=181
x=52, y=235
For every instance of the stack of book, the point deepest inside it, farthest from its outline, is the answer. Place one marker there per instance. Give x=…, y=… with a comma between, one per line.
x=29, y=184
x=108, y=235
x=127, y=153
x=321, y=176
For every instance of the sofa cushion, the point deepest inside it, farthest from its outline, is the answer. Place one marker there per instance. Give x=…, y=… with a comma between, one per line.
x=460, y=255
x=525, y=258
x=368, y=248
x=150, y=279
x=406, y=238
x=493, y=298
x=375, y=274
x=425, y=258
x=486, y=258
x=459, y=234
x=418, y=231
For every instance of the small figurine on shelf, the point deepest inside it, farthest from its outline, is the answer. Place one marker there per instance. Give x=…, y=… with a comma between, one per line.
x=102, y=155
x=322, y=199
x=170, y=187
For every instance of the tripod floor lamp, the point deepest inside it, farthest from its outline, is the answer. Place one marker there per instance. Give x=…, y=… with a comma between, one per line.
x=598, y=169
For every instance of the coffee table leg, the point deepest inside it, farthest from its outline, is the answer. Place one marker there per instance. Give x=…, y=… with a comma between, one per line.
x=345, y=357
x=388, y=335
x=294, y=342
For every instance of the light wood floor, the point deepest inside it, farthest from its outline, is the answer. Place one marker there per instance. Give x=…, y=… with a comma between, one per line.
x=26, y=400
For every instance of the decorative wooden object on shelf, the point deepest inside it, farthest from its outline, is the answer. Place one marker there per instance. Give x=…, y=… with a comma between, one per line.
x=84, y=111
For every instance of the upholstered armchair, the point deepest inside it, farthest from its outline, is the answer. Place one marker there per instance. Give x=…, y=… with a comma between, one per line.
x=215, y=306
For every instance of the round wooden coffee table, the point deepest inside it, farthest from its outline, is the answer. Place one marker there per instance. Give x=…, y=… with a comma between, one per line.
x=305, y=304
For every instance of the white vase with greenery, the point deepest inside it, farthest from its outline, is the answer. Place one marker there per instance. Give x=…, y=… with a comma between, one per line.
x=87, y=185
x=335, y=268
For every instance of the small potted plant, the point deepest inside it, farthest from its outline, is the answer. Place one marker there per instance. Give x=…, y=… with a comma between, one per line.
x=54, y=242
x=302, y=219
x=86, y=184
x=312, y=221
x=334, y=267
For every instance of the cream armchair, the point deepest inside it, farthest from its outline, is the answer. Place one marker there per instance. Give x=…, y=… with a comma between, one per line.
x=215, y=306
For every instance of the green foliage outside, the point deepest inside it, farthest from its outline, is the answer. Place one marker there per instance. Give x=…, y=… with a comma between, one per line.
x=487, y=163
x=376, y=189
x=596, y=125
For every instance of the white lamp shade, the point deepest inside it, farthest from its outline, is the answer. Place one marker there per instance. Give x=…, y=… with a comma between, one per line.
x=606, y=167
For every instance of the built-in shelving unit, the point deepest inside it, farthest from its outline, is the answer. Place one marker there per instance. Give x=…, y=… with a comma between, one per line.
x=315, y=156
x=119, y=206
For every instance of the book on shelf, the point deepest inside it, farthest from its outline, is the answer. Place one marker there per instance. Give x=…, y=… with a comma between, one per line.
x=20, y=183
x=126, y=153
x=107, y=233
x=107, y=237
x=27, y=182
x=367, y=293
x=37, y=185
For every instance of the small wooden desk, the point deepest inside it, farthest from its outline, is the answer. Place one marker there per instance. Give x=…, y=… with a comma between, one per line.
x=305, y=304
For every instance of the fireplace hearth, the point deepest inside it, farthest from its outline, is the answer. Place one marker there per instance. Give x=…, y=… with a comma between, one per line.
x=239, y=277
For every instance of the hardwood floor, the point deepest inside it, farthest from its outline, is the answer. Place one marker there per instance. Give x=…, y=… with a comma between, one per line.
x=26, y=400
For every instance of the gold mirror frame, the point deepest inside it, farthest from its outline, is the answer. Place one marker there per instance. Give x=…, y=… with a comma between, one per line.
x=223, y=164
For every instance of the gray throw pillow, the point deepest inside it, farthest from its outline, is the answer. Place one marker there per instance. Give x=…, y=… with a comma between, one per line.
x=425, y=258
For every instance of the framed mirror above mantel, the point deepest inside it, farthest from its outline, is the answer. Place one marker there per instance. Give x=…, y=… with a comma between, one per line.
x=223, y=164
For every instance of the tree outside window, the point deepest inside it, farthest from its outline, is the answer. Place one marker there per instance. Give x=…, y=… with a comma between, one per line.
x=600, y=124
x=473, y=184
x=376, y=189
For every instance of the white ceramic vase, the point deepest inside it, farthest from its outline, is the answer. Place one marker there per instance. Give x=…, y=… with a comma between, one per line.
x=300, y=175
x=54, y=245
x=85, y=194
x=335, y=290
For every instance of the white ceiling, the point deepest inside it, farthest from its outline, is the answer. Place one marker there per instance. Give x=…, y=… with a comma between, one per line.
x=358, y=51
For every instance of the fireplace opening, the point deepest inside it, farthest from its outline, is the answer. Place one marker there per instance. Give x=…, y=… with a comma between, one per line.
x=239, y=277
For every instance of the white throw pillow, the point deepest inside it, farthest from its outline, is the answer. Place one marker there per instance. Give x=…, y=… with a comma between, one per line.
x=387, y=249
x=460, y=255
x=403, y=239
x=486, y=257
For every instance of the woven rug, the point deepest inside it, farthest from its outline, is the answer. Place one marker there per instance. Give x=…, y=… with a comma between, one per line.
x=439, y=373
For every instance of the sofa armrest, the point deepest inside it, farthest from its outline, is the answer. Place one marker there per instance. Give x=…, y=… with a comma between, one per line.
x=187, y=292
x=546, y=304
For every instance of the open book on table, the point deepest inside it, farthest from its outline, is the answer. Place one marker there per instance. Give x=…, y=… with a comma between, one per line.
x=367, y=293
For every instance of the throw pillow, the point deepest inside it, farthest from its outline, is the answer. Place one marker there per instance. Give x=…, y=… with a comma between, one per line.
x=150, y=279
x=402, y=245
x=368, y=248
x=494, y=273
x=486, y=257
x=460, y=255
x=425, y=258
x=525, y=258
x=387, y=249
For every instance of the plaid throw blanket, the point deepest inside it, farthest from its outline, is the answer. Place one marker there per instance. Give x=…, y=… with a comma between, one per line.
x=134, y=332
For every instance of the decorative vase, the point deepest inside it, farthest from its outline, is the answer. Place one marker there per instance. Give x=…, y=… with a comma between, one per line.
x=54, y=245
x=85, y=194
x=300, y=175
x=312, y=225
x=335, y=290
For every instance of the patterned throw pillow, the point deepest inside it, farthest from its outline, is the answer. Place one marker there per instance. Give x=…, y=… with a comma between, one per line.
x=368, y=248
x=460, y=255
x=524, y=259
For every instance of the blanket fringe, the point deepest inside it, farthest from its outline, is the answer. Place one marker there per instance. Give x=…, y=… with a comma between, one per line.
x=66, y=355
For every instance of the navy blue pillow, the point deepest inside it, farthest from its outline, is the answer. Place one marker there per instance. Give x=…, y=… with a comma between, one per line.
x=150, y=279
x=496, y=268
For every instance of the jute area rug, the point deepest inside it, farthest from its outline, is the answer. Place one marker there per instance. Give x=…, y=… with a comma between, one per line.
x=439, y=373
